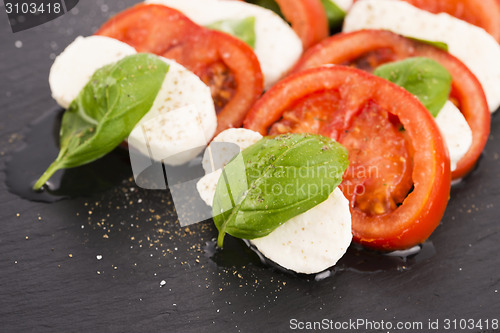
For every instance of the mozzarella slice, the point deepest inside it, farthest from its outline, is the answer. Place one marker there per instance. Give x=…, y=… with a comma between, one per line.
x=73, y=68
x=472, y=45
x=308, y=243
x=457, y=133
x=181, y=121
x=277, y=46
x=313, y=241
x=221, y=149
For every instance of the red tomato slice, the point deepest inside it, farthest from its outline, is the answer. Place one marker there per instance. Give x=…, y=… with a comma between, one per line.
x=227, y=65
x=482, y=13
x=308, y=19
x=398, y=181
x=367, y=49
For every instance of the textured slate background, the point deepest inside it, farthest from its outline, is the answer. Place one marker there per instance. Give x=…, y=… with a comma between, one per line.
x=51, y=279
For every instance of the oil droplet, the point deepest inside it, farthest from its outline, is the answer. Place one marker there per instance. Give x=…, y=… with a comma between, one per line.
x=40, y=148
x=238, y=253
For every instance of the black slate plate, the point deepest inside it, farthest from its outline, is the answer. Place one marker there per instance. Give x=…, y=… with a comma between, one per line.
x=52, y=280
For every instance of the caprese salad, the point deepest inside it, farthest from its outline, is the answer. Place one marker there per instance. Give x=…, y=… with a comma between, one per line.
x=354, y=137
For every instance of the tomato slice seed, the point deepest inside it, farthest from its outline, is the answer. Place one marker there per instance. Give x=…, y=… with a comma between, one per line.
x=368, y=49
x=221, y=81
x=375, y=182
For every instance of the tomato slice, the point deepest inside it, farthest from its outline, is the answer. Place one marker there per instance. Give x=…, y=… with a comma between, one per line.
x=482, y=13
x=227, y=65
x=398, y=181
x=367, y=49
x=308, y=19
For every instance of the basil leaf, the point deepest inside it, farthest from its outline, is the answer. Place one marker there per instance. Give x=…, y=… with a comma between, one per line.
x=242, y=29
x=334, y=13
x=439, y=45
x=106, y=110
x=425, y=78
x=274, y=180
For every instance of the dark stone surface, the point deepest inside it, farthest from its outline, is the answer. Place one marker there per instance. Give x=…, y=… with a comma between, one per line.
x=51, y=279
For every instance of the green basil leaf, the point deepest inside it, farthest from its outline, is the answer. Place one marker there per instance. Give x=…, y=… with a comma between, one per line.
x=106, y=110
x=242, y=29
x=269, y=4
x=425, y=78
x=274, y=180
x=439, y=45
x=334, y=13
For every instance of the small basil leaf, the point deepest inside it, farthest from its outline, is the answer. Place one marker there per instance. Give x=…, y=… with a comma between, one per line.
x=334, y=13
x=106, y=110
x=274, y=180
x=425, y=78
x=242, y=29
x=439, y=45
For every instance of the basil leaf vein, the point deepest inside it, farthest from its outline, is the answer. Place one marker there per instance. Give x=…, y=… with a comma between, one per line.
x=274, y=180
x=425, y=78
x=106, y=110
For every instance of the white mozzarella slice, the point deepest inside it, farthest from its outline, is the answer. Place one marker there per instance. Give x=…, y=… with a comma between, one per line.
x=308, y=243
x=207, y=185
x=216, y=156
x=220, y=151
x=457, y=133
x=313, y=241
x=181, y=121
x=472, y=45
x=73, y=68
x=277, y=46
